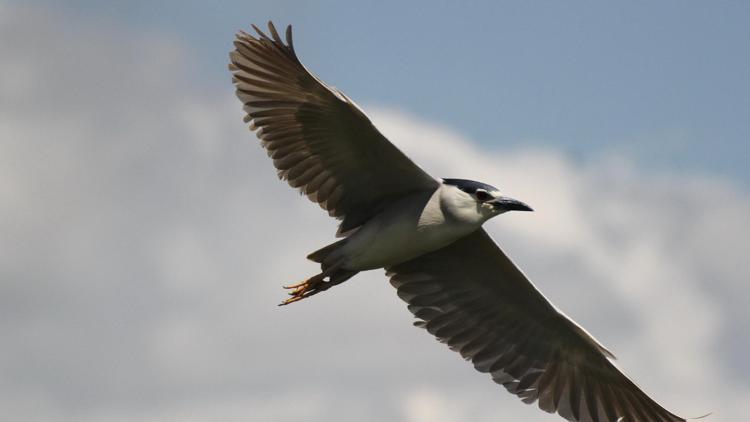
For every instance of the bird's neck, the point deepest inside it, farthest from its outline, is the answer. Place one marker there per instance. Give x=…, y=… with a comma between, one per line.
x=459, y=208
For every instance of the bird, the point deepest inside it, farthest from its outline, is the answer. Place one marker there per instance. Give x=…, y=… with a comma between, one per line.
x=427, y=233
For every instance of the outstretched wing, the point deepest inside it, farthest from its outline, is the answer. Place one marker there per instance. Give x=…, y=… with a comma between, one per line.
x=472, y=297
x=319, y=140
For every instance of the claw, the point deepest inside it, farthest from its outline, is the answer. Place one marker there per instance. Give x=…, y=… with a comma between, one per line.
x=296, y=286
x=304, y=289
x=291, y=300
x=316, y=284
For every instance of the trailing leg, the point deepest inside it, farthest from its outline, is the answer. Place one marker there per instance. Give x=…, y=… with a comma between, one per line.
x=331, y=276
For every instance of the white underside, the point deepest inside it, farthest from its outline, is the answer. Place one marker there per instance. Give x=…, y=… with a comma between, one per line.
x=410, y=228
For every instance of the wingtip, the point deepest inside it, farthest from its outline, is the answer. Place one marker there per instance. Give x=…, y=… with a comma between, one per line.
x=274, y=33
x=700, y=417
x=274, y=37
x=260, y=33
x=289, y=40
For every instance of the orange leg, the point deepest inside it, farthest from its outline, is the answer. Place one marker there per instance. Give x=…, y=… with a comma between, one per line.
x=311, y=286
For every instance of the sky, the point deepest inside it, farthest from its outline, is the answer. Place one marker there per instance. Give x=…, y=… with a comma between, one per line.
x=662, y=81
x=145, y=236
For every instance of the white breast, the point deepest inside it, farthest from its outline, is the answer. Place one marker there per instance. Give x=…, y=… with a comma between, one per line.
x=410, y=228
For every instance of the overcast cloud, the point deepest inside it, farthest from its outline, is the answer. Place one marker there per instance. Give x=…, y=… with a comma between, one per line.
x=145, y=239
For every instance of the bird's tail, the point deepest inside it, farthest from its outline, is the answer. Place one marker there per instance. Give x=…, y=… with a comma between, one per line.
x=322, y=255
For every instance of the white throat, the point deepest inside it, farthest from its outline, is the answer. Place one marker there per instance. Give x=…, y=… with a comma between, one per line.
x=461, y=208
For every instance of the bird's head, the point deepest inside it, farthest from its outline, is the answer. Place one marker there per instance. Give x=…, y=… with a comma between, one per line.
x=467, y=197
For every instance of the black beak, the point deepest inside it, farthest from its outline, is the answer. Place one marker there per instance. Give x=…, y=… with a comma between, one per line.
x=504, y=203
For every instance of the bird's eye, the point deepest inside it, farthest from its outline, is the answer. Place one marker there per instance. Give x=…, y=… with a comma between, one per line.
x=483, y=195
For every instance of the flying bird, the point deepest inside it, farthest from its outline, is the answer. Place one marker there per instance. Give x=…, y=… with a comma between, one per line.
x=427, y=234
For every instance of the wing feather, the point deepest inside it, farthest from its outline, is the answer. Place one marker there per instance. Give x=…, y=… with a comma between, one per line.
x=471, y=296
x=320, y=141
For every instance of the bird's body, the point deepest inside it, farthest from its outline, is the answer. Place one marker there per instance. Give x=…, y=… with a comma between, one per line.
x=427, y=233
x=412, y=226
x=396, y=234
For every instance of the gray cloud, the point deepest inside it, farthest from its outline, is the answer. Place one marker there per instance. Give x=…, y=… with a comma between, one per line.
x=145, y=238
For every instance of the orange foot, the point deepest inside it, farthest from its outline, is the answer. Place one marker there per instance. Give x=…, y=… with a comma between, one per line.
x=305, y=289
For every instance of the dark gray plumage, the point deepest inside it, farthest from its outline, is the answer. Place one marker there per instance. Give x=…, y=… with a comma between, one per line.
x=471, y=297
x=469, y=186
x=319, y=140
x=427, y=234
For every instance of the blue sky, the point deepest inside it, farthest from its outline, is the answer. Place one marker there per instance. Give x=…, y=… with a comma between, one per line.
x=663, y=81
x=146, y=237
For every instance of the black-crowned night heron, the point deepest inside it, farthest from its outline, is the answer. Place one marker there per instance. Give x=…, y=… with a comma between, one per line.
x=427, y=234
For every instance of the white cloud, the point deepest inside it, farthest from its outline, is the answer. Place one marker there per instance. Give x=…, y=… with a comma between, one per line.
x=146, y=238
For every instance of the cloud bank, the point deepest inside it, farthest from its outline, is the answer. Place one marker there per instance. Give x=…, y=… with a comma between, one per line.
x=145, y=240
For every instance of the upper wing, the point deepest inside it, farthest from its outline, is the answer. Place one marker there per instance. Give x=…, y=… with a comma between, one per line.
x=319, y=140
x=471, y=296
